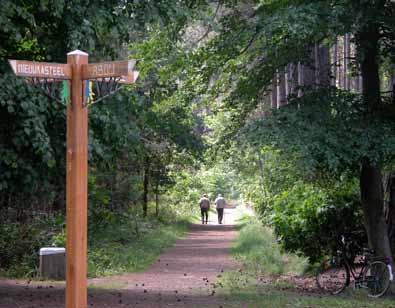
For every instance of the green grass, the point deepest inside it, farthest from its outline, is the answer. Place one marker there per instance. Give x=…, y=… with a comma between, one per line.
x=262, y=257
x=257, y=248
x=243, y=288
x=114, y=285
x=117, y=242
x=277, y=297
x=119, y=249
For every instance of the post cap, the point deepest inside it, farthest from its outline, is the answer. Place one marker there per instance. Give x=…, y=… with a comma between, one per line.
x=51, y=250
x=77, y=52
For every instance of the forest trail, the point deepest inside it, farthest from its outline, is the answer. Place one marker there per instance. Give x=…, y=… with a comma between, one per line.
x=183, y=276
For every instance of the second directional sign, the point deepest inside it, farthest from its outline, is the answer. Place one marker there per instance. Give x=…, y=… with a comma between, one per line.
x=108, y=69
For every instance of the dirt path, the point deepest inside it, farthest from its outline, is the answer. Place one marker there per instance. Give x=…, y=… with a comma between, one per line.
x=183, y=276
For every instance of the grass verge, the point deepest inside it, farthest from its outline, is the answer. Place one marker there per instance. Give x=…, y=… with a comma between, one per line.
x=278, y=297
x=119, y=249
x=268, y=277
x=117, y=243
x=257, y=248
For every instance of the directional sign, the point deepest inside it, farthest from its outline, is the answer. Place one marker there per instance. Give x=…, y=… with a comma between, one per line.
x=108, y=69
x=41, y=69
x=129, y=79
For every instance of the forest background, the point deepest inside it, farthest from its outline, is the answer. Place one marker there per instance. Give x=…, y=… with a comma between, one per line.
x=285, y=105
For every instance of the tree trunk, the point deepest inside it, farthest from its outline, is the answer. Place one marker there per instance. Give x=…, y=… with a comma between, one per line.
x=360, y=81
x=273, y=97
x=281, y=95
x=358, y=77
x=59, y=204
x=392, y=83
x=145, y=185
x=157, y=195
x=309, y=71
x=356, y=72
x=293, y=78
x=346, y=60
x=287, y=80
x=300, y=79
x=334, y=65
x=372, y=206
x=340, y=68
x=370, y=178
x=317, y=67
x=324, y=66
x=390, y=210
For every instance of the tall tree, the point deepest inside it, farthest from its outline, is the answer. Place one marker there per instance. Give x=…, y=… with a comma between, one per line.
x=267, y=42
x=371, y=182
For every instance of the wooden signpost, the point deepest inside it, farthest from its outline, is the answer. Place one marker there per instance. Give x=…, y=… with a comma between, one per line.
x=41, y=69
x=108, y=69
x=76, y=78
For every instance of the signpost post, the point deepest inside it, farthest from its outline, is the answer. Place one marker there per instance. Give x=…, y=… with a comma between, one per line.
x=76, y=186
x=77, y=75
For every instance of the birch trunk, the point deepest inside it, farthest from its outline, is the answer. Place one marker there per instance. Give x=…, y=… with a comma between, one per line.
x=273, y=96
x=281, y=94
x=334, y=65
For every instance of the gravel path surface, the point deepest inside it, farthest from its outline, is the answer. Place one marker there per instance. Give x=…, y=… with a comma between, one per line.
x=183, y=276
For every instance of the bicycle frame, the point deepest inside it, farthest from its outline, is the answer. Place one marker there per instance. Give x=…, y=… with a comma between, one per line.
x=353, y=266
x=359, y=268
x=356, y=270
x=357, y=275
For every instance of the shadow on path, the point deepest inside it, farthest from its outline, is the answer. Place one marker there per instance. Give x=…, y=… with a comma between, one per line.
x=183, y=276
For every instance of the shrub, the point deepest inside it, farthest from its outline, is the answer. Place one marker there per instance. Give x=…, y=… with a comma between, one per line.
x=20, y=244
x=310, y=219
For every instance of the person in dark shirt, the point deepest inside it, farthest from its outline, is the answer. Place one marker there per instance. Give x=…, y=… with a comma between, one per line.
x=204, y=204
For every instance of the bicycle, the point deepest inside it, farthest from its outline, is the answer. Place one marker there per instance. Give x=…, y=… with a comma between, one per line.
x=367, y=271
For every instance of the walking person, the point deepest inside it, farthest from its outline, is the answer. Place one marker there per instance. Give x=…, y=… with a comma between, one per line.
x=204, y=204
x=220, y=204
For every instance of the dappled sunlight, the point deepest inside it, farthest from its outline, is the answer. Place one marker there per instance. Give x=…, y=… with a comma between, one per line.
x=183, y=276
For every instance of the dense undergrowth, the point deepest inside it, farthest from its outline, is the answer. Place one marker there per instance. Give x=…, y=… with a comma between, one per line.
x=118, y=243
x=20, y=244
x=266, y=276
x=119, y=249
x=307, y=212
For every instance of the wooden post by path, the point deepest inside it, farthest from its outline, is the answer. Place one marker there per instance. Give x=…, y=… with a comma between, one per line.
x=76, y=75
x=76, y=187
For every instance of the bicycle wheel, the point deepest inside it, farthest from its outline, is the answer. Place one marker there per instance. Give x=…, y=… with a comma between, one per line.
x=376, y=278
x=333, y=276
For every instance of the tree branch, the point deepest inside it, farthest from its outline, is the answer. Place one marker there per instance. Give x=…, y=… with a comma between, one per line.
x=209, y=26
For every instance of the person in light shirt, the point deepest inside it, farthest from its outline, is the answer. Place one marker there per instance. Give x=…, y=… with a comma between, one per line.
x=220, y=204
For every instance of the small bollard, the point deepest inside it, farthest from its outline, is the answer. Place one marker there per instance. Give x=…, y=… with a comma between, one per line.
x=52, y=263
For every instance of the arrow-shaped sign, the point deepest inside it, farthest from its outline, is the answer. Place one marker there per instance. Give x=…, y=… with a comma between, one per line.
x=129, y=79
x=41, y=69
x=108, y=69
